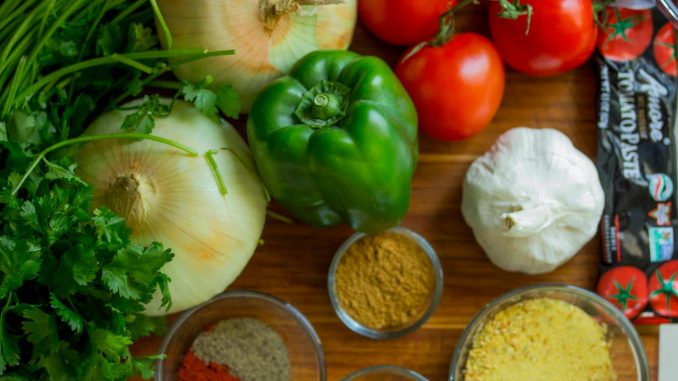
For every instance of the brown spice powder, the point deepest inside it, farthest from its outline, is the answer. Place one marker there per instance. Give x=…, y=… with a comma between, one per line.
x=384, y=280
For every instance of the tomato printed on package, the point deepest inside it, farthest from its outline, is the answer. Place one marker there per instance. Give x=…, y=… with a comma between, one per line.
x=664, y=50
x=663, y=287
x=626, y=288
x=626, y=35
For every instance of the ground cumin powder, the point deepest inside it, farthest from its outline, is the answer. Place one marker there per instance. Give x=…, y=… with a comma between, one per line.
x=538, y=340
x=384, y=280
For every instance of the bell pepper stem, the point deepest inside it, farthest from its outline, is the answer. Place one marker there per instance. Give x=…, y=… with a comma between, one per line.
x=325, y=106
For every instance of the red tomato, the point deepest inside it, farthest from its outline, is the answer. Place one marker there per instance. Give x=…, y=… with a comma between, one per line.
x=664, y=289
x=626, y=288
x=403, y=22
x=627, y=34
x=664, y=50
x=562, y=36
x=456, y=88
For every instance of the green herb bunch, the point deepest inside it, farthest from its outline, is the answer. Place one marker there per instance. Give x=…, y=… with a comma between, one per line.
x=72, y=284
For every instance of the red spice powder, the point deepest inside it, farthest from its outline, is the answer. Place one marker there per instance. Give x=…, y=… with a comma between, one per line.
x=194, y=369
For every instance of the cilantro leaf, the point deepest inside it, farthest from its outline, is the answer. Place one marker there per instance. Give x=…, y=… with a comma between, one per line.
x=141, y=38
x=133, y=269
x=9, y=347
x=142, y=325
x=109, y=343
x=41, y=331
x=204, y=99
x=56, y=368
x=57, y=172
x=68, y=316
x=9, y=351
x=19, y=262
x=141, y=120
x=207, y=101
x=228, y=101
x=108, y=41
x=110, y=228
x=145, y=366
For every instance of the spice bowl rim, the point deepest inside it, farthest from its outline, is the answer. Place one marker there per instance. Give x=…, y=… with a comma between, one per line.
x=399, y=370
x=363, y=330
x=629, y=331
x=248, y=294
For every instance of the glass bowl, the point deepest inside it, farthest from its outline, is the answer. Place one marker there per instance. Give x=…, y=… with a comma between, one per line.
x=626, y=349
x=384, y=373
x=303, y=345
x=411, y=326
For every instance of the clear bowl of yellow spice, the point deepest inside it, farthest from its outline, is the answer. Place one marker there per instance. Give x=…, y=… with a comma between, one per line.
x=385, y=285
x=551, y=332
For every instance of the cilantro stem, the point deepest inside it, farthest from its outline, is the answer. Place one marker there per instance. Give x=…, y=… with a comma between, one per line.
x=129, y=10
x=149, y=79
x=163, y=25
x=279, y=217
x=53, y=76
x=132, y=63
x=14, y=85
x=209, y=156
x=43, y=22
x=6, y=19
x=91, y=138
x=19, y=34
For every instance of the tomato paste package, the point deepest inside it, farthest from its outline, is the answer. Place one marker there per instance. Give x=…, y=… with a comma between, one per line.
x=637, y=165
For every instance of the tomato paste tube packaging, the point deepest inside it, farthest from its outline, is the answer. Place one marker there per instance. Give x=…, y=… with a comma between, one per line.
x=637, y=164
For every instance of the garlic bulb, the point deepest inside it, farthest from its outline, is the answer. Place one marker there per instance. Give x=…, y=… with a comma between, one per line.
x=532, y=201
x=268, y=37
x=168, y=196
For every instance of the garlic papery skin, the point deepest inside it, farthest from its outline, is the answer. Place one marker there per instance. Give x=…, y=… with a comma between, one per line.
x=268, y=37
x=533, y=200
x=169, y=196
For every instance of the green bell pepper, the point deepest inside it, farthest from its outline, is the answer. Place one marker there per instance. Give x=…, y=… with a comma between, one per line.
x=336, y=141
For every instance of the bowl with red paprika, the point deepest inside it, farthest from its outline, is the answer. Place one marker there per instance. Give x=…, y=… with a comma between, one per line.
x=385, y=285
x=241, y=336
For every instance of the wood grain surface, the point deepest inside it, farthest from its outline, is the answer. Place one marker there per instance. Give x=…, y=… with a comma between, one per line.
x=293, y=262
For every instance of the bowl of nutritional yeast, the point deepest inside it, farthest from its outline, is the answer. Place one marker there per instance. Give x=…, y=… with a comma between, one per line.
x=549, y=332
x=241, y=336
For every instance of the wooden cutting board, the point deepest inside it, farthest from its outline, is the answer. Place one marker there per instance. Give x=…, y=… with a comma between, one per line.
x=293, y=262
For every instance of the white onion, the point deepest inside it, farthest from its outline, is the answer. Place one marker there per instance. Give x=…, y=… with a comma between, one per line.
x=268, y=37
x=168, y=196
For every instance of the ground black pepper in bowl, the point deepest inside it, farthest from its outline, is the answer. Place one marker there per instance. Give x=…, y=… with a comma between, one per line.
x=250, y=349
x=241, y=336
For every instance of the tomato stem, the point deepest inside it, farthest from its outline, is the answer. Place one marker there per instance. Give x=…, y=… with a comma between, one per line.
x=513, y=9
x=446, y=23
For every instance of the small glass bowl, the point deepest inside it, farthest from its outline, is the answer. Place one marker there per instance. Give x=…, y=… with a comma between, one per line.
x=303, y=345
x=412, y=326
x=384, y=373
x=628, y=356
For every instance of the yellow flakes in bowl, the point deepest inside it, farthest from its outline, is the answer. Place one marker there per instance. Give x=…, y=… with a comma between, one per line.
x=540, y=339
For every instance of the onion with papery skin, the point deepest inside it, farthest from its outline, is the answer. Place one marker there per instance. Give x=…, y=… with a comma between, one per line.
x=268, y=37
x=168, y=196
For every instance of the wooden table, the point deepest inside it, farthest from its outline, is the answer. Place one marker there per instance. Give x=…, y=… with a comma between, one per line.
x=293, y=262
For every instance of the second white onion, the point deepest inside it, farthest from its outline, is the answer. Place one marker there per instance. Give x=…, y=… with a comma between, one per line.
x=268, y=37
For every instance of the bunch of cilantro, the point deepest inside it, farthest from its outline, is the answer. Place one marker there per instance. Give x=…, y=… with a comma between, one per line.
x=72, y=284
